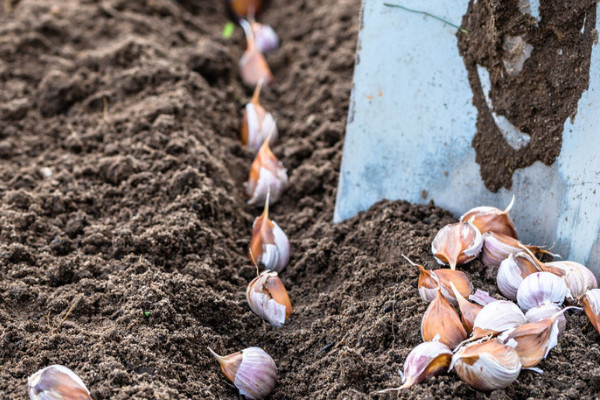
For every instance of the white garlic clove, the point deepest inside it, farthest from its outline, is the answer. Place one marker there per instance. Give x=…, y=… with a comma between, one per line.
x=544, y=311
x=258, y=125
x=442, y=323
x=268, y=298
x=513, y=270
x=497, y=247
x=482, y=297
x=267, y=177
x=492, y=219
x=265, y=37
x=427, y=359
x=497, y=317
x=541, y=288
x=253, y=66
x=252, y=371
x=591, y=306
x=269, y=245
x=456, y=244
x=577, y=277
x=57, y=382
x=487, y=366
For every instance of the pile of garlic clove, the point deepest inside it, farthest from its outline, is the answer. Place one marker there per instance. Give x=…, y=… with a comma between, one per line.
x=488, y=341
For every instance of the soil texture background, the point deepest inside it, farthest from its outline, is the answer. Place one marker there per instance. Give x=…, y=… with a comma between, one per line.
x=124, y=229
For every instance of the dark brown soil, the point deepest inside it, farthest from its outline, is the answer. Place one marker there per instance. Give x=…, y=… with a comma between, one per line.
x=540, y=98
x=141, y=231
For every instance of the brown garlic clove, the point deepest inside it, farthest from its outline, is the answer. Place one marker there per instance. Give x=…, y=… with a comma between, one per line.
x=258, y=125
x=591, y=306
x=468, y=310
x=57, y=382
x=441, y=321
x=269, y=299
x=269, y=245
x=267, y=177
x=491, y=219
x=456, y=244
x=253, y=66
x=245, y=8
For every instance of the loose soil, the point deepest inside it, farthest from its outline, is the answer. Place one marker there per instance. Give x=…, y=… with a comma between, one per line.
x=540, y=98
x=123, y=225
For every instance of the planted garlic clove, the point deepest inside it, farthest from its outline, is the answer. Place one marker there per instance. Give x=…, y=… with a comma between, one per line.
x=541, y=288
x=265, y=38
x=513, y=270
x=441, y=321
x=497, y=317
x=268, y=298
x=468, y=311
x=245, y=8
x=57, y=382
x=578, y=278
x=253, y=66
x=591, y=306
x=427, y=359
x=269, y=245
x=491, y=219
x=497, y=247
x=258, y=125
x=252, y=371
x=456, y=244
x=267, y=177
x=428, y=283
x=544, y=311
x=487, y=366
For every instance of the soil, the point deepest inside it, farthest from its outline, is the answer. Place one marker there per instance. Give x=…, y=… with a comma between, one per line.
x=539, y=99
x=124, y=228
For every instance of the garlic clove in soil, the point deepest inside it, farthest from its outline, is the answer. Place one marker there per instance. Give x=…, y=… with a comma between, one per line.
x=268, y=298
x=468, y=311
x=513, y=270
x=267, y=177
x=425, y=360
x=487, y=366
x=544, y=311
x=591, y=306
x=258, y=125
x=269, y=245
x=441, y=322
x=497, y=247
x=578, y=278
x=456, y=244
x=430, y=280
x=497, y=317
x=57, y=382
x=245, y=8
x=265, y=38
x=253, y=65
x=491, y=219
x=541, y=288
x=252, y=371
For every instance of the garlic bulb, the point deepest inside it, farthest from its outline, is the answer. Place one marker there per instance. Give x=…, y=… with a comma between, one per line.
x=488, y=365
x=265, y=37
x=269, y=245
x=540, y=288
x=258, y=125
x=456, y=244
x=441, y=322
x=268, y=298
x=591, y=306
x=468, y=311
x=496, y=317
x=430, y=280
x=513, y=270
x=251, y=370
x=491, y=219
x=267, y=177
x=497, y=247
x=577, y=277
x=544, y=311
x=57, y=382
x=253, y=66
x=245, y=8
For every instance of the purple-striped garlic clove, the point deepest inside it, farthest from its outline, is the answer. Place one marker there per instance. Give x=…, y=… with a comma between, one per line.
x=57, y=382
x=253, y=66
x=497, y=247
x=541, y=288
x=265, y=38
x=544, y=311
x=513, y=270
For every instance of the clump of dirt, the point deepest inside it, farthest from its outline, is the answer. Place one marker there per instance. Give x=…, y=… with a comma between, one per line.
x=124, y=229
x=538, y=71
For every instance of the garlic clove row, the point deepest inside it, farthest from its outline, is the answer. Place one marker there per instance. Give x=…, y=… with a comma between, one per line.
x=258, y=125
x=441, y=322
x=56, y=382
x=577, y=277
x=492, y=219
x=456, y=244
x=541, y=288
x=265, y=38
x=497, y=317
x=268, y=298
x=267, y=177
x=591, y=306
x=544, y=311
x=253, y=65
x=468, y=310
x=252, y=371
x=269, y=245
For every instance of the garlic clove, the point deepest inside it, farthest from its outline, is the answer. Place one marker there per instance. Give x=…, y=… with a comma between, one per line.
x=57, y=382
x=513, y=270
x=258, y=125
x=468, y=311
x=252, y=371
x=544, y=311
x=491, y=219
x=245, y=8
x=425, y=360
x=456, y=244
x=265, y=37
x=497, y=317
x=497, y=247
x=540, y=288
x=269, y=245
x=268, y=298
x=591, y=306
x=253, y=65
x=267, y=177
x=428, y=283
x=482, y=297
x=441, y=321
x=487, y=366
x=577, y=277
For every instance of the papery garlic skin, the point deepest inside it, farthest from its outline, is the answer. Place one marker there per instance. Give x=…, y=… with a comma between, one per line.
x=482, y=297
x=427, y=359
x=267, y=177
x=591, y=306
x=492, y=219
x=428, y=284
x=497, y=317
x=265, y=37
x=540, y=288
x=456, y=244
x=577, y=277
x=268, y=298
x=57, y=382
x=487, y=366
x=512, y=271
x=545, y=311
